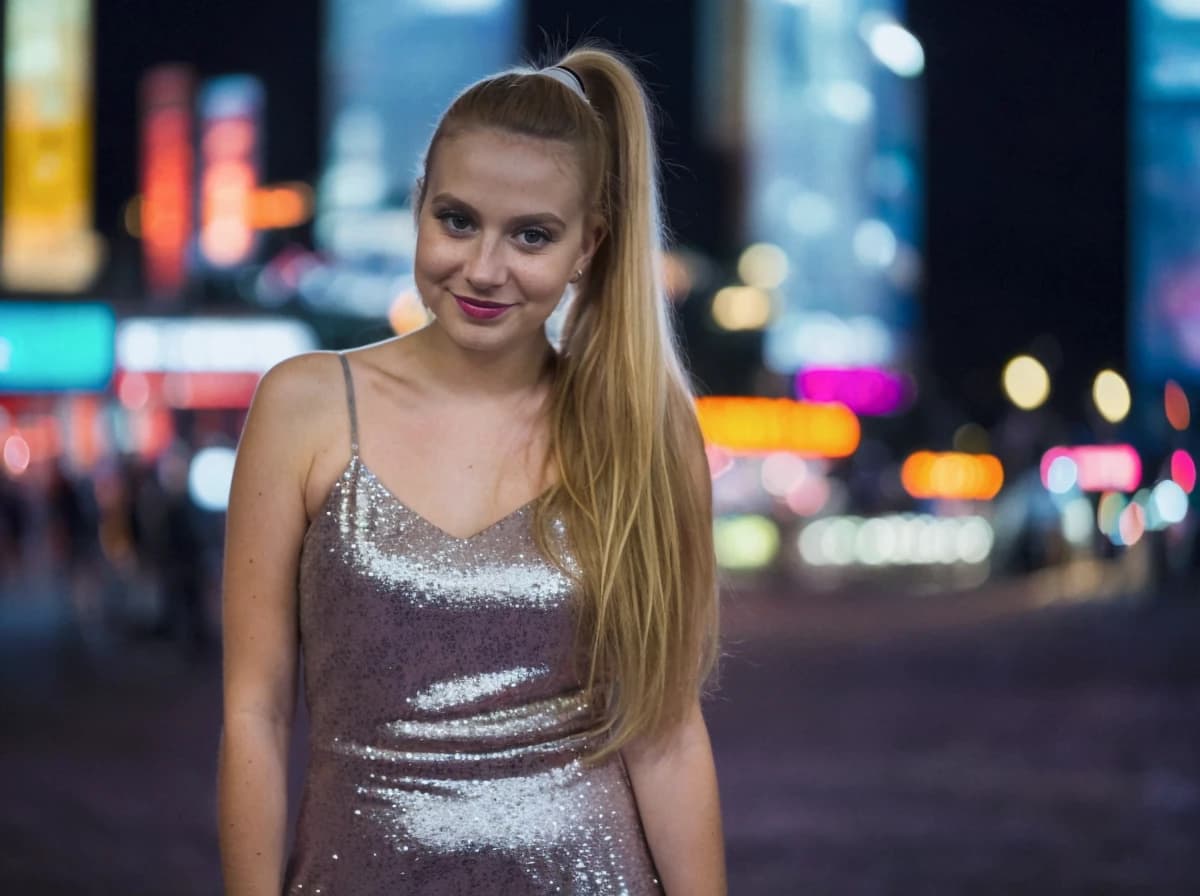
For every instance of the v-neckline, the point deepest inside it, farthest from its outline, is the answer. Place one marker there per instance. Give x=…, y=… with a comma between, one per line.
x=428, y=523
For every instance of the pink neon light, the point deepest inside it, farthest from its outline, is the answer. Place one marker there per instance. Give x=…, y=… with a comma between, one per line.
x=1183, y=470
x=865, y=390
x=1101, y=468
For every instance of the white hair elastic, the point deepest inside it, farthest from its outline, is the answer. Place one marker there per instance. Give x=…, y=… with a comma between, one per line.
x=566, y=77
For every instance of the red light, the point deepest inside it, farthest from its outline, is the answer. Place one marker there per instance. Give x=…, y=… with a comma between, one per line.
x=1175, y=403
x=1183, y=470
x=166, y=178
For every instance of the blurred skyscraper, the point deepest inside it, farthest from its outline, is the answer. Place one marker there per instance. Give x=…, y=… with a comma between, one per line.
x=390, y=69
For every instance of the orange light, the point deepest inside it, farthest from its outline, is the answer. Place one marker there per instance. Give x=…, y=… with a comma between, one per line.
x=779, y=424
x=407, y=313
x=281, y=206
x=952, y=475
x=229, y=145
x=1175, y=402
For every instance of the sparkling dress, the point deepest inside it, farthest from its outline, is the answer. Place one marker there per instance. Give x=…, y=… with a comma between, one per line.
x=447, y=724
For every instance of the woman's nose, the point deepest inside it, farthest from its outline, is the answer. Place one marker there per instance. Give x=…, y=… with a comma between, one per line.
x=485, y=268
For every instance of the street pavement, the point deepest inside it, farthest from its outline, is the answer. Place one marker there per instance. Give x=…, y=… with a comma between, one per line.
x=1025, y=737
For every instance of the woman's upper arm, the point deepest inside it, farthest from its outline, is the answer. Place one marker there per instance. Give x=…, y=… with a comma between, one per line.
x=265, y=526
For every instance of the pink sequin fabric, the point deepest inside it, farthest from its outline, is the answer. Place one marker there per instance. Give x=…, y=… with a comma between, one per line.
x=447, y=724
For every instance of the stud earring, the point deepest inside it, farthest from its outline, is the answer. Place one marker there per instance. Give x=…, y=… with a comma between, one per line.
x=577, y=277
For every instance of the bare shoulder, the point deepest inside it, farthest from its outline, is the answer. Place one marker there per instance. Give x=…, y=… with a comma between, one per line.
x=295, y=405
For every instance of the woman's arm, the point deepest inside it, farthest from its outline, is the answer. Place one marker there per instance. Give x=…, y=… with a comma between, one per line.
x=675, y=784
x=264, y=529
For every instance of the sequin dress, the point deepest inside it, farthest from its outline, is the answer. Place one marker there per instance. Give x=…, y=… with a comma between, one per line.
x=447, y=724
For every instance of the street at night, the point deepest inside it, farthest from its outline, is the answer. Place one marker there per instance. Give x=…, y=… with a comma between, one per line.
x=1023, y=738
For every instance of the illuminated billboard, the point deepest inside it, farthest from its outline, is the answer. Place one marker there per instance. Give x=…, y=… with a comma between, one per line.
x=54, y=347
x=167, y=179
x=230, y=112
x=828, y=112
x=390, y=70
x=47, y=242
x=1165, y=318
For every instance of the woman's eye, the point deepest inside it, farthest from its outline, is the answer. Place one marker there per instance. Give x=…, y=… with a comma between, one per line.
x=534, y=237
x=455, y=222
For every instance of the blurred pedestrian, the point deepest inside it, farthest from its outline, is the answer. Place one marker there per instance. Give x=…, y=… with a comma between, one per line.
x=174, y=531
x=502, y=700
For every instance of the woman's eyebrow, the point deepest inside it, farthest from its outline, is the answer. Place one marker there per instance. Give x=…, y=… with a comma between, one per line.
x=519, y=220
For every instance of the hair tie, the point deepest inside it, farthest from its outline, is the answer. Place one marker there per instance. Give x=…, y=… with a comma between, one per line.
x=567, y=78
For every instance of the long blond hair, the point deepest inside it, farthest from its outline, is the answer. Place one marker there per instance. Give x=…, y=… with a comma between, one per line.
x=632, y=489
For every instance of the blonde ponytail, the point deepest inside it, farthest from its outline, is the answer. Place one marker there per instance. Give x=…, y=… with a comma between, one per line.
x=632, y=488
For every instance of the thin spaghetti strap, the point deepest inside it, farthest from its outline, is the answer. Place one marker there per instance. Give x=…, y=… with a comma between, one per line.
x=350, y=405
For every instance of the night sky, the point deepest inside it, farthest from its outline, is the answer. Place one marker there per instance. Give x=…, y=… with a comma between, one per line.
x=1026, y=154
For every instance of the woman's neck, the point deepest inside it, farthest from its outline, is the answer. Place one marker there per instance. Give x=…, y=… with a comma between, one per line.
x=454, y=369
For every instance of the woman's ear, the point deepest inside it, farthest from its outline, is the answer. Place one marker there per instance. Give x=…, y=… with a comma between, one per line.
x=594, y=233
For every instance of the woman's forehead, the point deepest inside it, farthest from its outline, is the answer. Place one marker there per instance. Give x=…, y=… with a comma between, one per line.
x=496, y=169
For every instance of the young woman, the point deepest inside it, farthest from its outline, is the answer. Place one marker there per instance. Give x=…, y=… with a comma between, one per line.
x=497, y=556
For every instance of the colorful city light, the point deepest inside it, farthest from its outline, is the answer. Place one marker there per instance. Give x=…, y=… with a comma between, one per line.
x=1183, y=470
x=1098, y=468
x=952, y=476
x=1026, y=382
x=1176, y=406
x=1110, y=392
x=869, y=391
x=55, y=347
x=779, y=424
x=165, y=207
x=230, y=109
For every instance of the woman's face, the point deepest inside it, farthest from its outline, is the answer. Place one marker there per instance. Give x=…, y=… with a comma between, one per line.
x=502, y=228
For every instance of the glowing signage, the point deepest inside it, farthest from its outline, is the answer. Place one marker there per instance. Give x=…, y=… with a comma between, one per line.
x=868, y=391
x=186, y=390
x=1164, y=168
x=55, y=347
x=209, y=345
x=905, y=540
x=1097, y=468
x=952, y=476
x=167, y=178
x=779, y=424
x=47, y=240
x=230, y=110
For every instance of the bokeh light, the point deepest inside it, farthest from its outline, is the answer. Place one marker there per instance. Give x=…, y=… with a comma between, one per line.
x=778, y=424
x=763, y=265
x=745, y=542
x=1132, y=524
x=1026, y=382
x=1110, y=392
x=741, y=308
x=950, y=475
x=896, y=540
x=1169, y=501
x=210, y=476
x=1108, y=514
x=1183, y=470
x=1175, y=404
x=1062, y=476
x=17, y=454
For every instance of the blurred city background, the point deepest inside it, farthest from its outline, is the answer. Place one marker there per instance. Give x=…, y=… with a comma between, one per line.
x=936, y=268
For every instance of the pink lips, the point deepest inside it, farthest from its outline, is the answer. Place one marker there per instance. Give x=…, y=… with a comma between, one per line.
x=479, y=309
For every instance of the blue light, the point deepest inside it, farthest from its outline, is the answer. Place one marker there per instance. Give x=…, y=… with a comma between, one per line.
x=55, y=347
